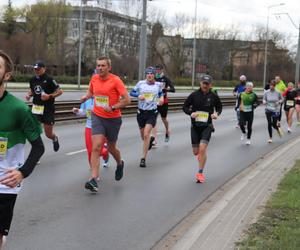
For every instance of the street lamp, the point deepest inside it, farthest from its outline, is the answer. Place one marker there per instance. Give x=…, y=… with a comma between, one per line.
x=80, y=47
x=267, y=38
x=143, y=42
x=194, y=47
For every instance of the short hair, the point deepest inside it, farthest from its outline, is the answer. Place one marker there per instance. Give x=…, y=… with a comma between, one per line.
x=8, y=63
x=105, y=58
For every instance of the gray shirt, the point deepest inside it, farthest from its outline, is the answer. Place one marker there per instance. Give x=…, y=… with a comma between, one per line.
x=273, y=99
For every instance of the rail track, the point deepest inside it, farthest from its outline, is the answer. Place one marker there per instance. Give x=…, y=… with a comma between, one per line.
x=63, y=109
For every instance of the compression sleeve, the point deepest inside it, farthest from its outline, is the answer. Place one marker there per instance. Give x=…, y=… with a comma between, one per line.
x=37, y=150
x=187, y=105
x=170, y=84
x=134, y=93
x=218, y=105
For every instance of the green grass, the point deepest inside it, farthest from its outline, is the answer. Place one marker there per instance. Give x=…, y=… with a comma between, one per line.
x=279, y=225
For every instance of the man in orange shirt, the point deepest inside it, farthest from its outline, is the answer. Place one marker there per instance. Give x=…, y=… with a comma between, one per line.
x=110, y=95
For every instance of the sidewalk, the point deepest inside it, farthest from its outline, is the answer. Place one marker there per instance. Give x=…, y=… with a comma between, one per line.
x=220, y=221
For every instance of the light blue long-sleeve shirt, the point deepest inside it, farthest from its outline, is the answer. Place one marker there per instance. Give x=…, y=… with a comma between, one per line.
x=85, y=110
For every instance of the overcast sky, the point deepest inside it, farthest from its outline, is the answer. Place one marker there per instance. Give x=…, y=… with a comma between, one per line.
x=227, y=12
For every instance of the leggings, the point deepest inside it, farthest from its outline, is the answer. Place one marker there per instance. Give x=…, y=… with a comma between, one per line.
x=246, y=117
x=272, y=122
x=88, y=143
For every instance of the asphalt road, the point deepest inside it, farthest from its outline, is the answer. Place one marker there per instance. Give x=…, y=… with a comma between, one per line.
x=53, y=211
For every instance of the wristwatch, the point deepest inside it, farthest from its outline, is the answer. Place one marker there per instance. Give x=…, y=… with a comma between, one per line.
x=113, y=108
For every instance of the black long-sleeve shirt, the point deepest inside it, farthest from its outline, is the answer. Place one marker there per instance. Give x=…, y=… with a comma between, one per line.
x=199, y=101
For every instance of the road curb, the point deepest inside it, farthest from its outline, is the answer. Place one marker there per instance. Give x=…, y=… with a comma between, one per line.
x=219, y=221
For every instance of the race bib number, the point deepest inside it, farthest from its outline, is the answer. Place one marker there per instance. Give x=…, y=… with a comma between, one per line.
x=290, y=103
x=149, y=96
x=37, y=109
x=3, y=148
x=88, y=113
x=102, y=101
x=202, y=116
x=247, y=108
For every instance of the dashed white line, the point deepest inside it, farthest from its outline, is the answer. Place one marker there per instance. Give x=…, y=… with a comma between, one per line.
x=76, y=152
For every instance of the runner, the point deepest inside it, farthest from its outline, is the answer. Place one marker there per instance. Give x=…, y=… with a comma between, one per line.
x=247, y=102
x=202, y=106
x=236, y=92
x=17, y=126
x=163, y=109
x=86, y=110
x=279, y=87
x=44, y=89
x=289, y=104
x=298, y=103
x=273, y=99
x=147, y=91
x=110, y=96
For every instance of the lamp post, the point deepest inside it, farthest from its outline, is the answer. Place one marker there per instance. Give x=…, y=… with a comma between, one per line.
x=298, y=46
x=143, y=41
x=266, y=44
x=194, y=47
x=80, y=47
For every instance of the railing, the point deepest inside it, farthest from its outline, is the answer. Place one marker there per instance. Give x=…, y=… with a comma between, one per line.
x=63, y=109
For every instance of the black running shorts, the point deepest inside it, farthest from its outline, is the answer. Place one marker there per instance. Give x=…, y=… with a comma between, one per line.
x=146, y=117
x=163, y=110
x=200, y=135
x=7, y=204
x=47, y=118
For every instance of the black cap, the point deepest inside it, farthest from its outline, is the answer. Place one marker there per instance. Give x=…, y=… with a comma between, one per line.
x=159, y=66
x=206, y=79
x=39, y=64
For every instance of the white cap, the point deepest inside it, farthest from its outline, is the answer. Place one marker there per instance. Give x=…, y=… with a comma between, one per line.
x=243, y=78
x=249, y=85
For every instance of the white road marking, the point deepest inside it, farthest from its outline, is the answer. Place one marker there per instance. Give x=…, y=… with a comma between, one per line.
x=76, y=152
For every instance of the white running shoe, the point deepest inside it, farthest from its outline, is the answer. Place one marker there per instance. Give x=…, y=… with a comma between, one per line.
x=243, y=136
x=289, y=130
x=270, y=140
x=248, y=142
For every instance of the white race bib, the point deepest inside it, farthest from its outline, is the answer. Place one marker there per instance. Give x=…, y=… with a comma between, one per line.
x=37, y=109
x=290, y=103
x=202, y=116
x=102, y=101
x=247, y=108
x=3, y=148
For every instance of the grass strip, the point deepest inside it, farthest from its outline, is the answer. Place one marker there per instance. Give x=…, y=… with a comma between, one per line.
x=279, y=225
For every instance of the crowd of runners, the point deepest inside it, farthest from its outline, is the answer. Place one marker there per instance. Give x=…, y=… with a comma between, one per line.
x=102, y=104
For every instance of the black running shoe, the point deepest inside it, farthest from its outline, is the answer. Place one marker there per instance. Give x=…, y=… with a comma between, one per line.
x=143, y=163
x=152, y=139
x=55, y=144
x=167, y=138
x=92, y=185
x=119, y=171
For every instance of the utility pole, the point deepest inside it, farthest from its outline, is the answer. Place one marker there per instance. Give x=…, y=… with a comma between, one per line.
x=80, y=47
x=143, y=42
x=194, y=47
x=298, y=58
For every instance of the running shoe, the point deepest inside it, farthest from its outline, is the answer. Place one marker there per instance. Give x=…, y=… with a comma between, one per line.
x=243, y=136
x=154, y=144
x=200, y=178
x=167, y=138
x=91, y=185
x=289, y=130
x=280, y=132
x=248, y=142
x=119, y=171
x=270, y=140
x=151, y=142
x=105, y=163
x=55, y=144
x=143, y=163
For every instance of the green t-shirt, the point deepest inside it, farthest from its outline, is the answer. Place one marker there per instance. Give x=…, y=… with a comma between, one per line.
x=247, y=101
x=16, y=125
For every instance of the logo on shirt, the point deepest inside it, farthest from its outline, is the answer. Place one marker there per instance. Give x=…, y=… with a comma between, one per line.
x=38, y=89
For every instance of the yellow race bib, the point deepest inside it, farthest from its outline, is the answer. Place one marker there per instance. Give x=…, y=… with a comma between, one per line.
x=37, y=109
x=3, y=148
x=202, y=116
x=149, y=96
x=102, y=101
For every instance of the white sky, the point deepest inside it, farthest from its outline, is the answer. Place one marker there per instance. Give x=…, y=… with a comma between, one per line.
x=222, y=13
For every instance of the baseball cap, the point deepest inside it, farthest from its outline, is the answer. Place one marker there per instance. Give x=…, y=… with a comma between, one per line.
x=159, y=66
x=150, y=70
x=206, y=79
x=39, y=64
